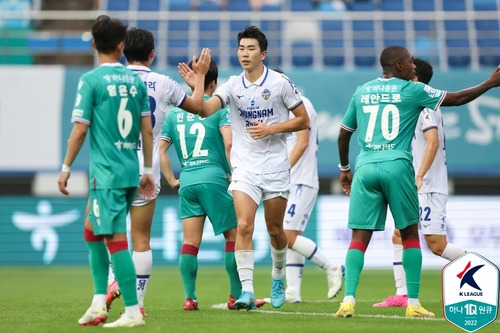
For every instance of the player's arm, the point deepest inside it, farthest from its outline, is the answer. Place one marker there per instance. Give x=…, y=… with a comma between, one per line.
x=466, y=95
x=166, y=165
x=75, y=142
x=431, y=148
x=300, y=122
x=343, y=147
x=299, y=147
x=227, y=136
x=147, y=187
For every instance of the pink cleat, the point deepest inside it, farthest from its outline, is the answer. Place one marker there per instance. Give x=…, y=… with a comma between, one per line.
x=113, y=293
x=393, y=301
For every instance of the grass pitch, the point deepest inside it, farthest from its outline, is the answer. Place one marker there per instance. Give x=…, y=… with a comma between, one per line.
x=51, y=299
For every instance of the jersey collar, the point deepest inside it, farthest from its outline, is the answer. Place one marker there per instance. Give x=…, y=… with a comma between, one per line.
x=259, y=81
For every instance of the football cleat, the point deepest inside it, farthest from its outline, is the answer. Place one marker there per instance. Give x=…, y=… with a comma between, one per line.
x=418, y=311
x=346, y=310
x=246, y=301
x=393, y=301
x=231, y=300
x=113, y=293
x=334, y=277
x=93, y=317
x=125, y=321
x=190, y=304
x=277, y=292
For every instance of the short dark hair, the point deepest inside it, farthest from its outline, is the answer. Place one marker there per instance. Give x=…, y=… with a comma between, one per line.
x=423, y=70
x=251, y=31
x=108, y=33
x=138, y=44
x=391, y=55
x=212, y=74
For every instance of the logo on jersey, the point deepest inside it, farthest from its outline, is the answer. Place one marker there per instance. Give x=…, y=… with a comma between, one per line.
x=266, y=94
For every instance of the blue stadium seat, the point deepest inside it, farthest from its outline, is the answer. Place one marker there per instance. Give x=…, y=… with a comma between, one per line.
x=302, y=53
x=209, y=37
x=362, y=6
x=239, y=6
x=457, y=43
x=178, y=42
x=301, y=5
x=394, y=33
x=364, y=43
x=392, y=5
x=149, y=6
x=488, y=42
x=43, y=44
x=122, y=5
x=423, y=5
x=484, y=5
x=333, y=43
x=179, y=5
x=454, y=5
x=208, y=7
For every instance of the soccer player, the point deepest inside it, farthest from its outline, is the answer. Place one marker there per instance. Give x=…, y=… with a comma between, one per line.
x=260, y=100
x=385, y=112
x=112, y=104
x=304, y=185
x=203, y=146
x=163, y=92
x=429, y=162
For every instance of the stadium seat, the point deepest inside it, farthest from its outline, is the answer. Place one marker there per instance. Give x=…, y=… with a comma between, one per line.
x=484, y=5
x=364, y=43
x=423, y=5
x=362, y=6
x=301, y=5
x=392, y=5
x=239, y=6
x=118, y=5
x=179, y=5
x=302, y=53
x=332, y=42
x=488, y=42
x=208, y=36
x=178, y=42
x=394, y=33
x=454, y=5
x=457, y=43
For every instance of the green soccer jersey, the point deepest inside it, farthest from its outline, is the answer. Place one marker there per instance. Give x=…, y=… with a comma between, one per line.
x=385, y=113
x=199, y=146
x=111, y=99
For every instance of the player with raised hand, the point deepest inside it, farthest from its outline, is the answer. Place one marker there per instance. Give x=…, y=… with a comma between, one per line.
x=163, y=93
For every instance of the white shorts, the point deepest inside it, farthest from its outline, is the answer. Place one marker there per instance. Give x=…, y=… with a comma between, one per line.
x=299, y=207
x=432, y=213
x=139, y=199
x=260, y=186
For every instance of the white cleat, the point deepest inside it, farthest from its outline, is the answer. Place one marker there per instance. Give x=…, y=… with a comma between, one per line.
x=125, y=321
x=94, y=317
x=334, y=277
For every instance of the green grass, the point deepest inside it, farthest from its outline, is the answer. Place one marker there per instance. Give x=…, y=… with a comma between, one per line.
x=39, y=299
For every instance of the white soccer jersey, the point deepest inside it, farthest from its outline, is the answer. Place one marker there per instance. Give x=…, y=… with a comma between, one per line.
x=436, y=178
x=305, y=171
x=269, y=100
x=163, y=93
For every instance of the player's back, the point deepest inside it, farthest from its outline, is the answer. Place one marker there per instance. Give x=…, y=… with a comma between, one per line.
x=112, y=100
x=199, y=146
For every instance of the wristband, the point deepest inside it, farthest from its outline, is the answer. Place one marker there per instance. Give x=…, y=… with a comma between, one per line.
x=344, y=167
x=147, y=171
x=65, y=168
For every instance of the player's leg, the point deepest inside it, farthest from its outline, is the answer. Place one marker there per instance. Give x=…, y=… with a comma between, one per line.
x=434, y=225
x=299, y=207
x=98, y=254
x=274, y=211
x=366, y=199
x=188, y=260
x=113, y=225
x=401, y=296
x=141, y=218
x=404, y=204
x=246, y=208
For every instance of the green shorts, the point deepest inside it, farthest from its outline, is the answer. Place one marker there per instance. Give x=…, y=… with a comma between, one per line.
x=109, y=209
x=210, y=200
x=378, y=185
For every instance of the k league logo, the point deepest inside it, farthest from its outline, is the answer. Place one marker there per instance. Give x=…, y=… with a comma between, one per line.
x=470, y=292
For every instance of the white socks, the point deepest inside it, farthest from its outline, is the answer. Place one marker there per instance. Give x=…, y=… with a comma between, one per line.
x=245, y=261
x=452, y=251
x=143, y=262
